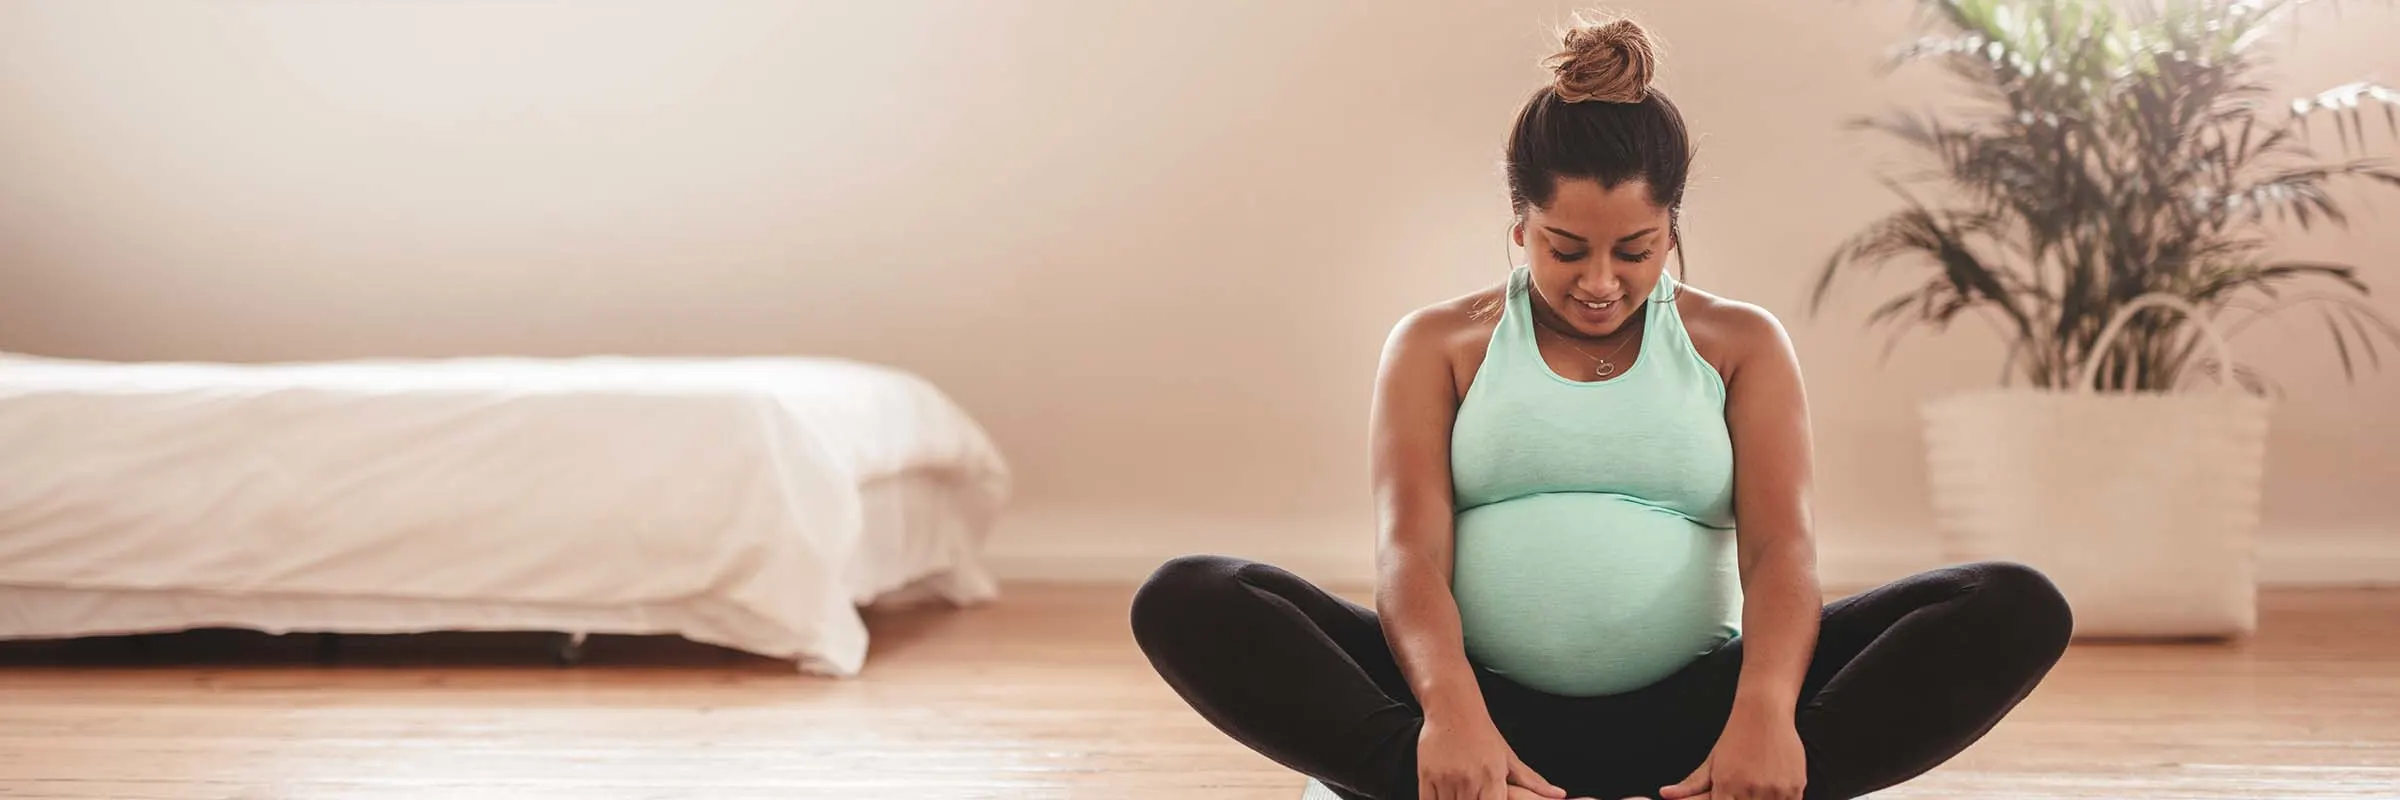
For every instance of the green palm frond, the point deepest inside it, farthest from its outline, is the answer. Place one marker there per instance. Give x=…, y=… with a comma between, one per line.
x=2114, y=150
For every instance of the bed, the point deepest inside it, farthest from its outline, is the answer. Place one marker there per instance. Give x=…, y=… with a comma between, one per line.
x=753, y=503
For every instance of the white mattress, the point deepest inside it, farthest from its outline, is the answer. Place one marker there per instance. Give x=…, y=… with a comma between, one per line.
x=753, y=503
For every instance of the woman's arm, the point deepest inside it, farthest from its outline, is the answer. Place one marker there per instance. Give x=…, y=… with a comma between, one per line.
x=1766, y=409
x=1410, y=427
x=1759, y=755
x=1460, y=753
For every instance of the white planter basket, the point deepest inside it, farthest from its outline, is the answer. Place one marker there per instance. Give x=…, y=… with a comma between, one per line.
x=2143, y=508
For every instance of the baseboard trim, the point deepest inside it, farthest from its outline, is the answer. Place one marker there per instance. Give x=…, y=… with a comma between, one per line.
x=2330, y=558
x=1124, y=547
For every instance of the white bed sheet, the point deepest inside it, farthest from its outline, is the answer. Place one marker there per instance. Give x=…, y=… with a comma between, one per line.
x=927, y=526
x=723, y=499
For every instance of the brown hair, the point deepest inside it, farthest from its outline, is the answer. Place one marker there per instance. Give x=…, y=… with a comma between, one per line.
x=1600, y=119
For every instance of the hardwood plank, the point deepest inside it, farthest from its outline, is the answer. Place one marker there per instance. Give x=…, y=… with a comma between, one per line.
x=1040, y=696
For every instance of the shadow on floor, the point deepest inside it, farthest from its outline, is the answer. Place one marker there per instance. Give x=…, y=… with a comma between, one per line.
x=889, y=630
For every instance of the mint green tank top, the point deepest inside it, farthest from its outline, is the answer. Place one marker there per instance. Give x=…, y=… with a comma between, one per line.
x=1595, y=550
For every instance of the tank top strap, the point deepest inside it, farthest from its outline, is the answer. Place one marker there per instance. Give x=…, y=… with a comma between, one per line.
x=1674, y=341
x=1519, y=317
x=1515, y=332
x=1666, y=288
x=1666, y=322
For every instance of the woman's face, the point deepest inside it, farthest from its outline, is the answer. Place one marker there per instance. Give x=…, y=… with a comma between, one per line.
x=1596, y=254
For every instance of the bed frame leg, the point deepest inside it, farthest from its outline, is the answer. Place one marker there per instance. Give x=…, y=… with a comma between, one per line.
x=567, y=649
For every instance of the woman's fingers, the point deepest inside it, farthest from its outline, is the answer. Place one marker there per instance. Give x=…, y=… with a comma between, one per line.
x=1693, y=787
x=1493, y=790
x=1522, y=775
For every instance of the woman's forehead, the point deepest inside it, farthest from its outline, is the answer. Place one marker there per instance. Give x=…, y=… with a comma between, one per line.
x=1583, y=208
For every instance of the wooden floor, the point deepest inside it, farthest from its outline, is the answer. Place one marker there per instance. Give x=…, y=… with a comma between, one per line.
x=1042, y=696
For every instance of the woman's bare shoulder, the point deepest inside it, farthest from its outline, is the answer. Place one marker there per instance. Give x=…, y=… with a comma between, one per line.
x=1452, y=324
x=1450, y=335
x=1727, y=331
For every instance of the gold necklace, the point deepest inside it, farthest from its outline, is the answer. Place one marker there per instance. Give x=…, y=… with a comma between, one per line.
x=1601, y=367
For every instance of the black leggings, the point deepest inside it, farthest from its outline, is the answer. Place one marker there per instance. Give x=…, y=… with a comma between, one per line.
x=1904, y=677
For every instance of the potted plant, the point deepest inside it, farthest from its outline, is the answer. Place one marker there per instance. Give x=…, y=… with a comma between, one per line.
x=2110, y=203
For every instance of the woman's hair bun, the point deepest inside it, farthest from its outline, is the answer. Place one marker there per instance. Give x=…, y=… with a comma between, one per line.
x=1611, y=62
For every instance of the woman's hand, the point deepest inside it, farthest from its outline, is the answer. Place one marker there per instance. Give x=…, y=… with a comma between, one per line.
x=1758, y=757
x=1471, y=762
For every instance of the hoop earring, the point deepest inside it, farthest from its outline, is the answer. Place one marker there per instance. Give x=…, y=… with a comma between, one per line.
x=1508, y=243
x=1683, y=269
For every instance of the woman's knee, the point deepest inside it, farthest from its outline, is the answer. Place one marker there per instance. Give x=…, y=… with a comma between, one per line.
x=2025, y=600
x=1181, y=587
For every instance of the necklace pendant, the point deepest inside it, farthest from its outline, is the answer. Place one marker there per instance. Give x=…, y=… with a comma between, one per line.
x=1604, y=369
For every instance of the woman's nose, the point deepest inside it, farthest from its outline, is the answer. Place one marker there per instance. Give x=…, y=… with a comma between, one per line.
x=1599, y=283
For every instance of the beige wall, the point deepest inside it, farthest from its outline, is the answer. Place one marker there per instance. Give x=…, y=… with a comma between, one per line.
x=1154, y=246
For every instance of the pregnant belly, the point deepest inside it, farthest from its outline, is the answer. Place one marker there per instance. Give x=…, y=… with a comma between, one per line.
x=1591, y=594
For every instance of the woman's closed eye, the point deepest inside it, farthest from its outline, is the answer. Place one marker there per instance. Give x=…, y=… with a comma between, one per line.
x=1630, y=258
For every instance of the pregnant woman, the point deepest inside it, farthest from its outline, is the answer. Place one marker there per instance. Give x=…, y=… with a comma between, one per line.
x=1597, y=573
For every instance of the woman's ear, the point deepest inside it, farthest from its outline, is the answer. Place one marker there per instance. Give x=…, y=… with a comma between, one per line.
x=1516, y=232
